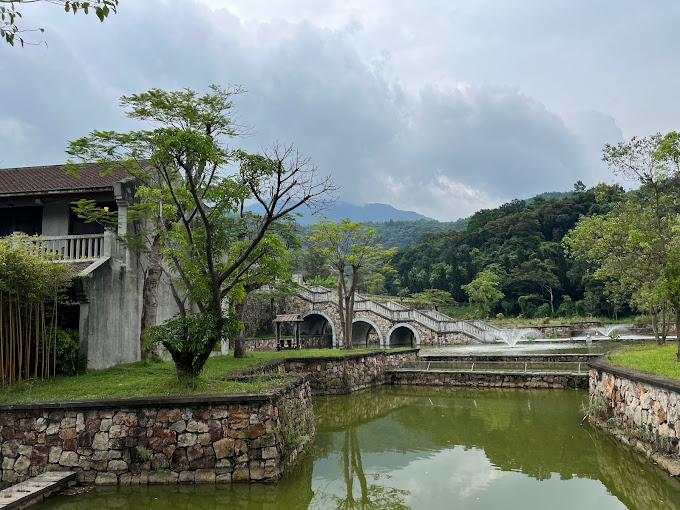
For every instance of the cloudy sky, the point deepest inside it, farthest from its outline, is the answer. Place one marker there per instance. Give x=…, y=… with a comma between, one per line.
x=438, y=106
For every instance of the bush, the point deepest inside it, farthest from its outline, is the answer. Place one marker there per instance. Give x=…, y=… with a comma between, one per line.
x=67, y=346
x=543, y=310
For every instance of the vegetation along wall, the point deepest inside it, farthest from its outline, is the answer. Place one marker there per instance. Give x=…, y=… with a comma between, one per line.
x=201, y=438
x=640, y=409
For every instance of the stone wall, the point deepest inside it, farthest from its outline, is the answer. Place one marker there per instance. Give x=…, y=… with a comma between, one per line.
x=308, y=342
x=486, y=379
x=331, y=375
x=640, y=409
x=186, y=439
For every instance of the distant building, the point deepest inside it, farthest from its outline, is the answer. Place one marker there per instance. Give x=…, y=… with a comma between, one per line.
x=108, y=285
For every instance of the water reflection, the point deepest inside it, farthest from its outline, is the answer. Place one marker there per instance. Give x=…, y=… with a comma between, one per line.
x=411, y=447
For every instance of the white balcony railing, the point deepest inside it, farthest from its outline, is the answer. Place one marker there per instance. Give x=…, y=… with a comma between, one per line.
x=73, y=248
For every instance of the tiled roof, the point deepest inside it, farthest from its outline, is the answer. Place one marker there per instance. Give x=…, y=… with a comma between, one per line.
x=42, y=179
x=290, y=317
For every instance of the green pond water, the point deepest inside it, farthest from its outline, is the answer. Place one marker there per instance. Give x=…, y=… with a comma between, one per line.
x=415, y=447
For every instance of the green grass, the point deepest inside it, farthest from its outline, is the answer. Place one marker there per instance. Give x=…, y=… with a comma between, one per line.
x=156, y=378
x=652, y=358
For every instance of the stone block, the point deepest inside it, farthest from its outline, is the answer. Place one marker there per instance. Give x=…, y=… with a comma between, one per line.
x=205, y=476
x=68, y=459
x=224, y=448
x=186, y=439
x=188, y=477
x=223, y=478
x=179, y=426
x=197, y=426
x=55, y=454
x=239, y=417
x=106, y=479
x=117, y=431
x=106, y=424
x=194, y=452
x=162, y=477
x=117, y=465
x=241, y=473
x=101, y=441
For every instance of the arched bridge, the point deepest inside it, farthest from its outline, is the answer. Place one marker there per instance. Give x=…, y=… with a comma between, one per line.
x=386, y=324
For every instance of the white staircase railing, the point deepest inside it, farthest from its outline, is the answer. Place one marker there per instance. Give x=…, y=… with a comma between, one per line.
x=395, y=312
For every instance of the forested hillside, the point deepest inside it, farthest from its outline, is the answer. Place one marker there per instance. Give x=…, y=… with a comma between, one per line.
x=519, y=243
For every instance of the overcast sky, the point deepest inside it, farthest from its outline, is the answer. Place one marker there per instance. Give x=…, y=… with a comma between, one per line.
x=443, y=107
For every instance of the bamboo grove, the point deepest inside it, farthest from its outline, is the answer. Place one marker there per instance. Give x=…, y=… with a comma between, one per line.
x=30, y=289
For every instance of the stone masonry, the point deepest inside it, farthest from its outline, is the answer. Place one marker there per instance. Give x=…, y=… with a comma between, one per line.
x=156, y=440
x=640, y=409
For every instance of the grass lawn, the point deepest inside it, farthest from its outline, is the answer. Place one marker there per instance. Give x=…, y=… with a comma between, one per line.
x=652, y=358
x=155, y=378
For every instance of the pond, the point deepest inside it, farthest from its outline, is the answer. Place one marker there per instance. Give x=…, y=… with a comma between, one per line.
x=421, y=447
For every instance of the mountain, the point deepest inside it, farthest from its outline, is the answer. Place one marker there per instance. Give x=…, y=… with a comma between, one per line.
x=368, y=212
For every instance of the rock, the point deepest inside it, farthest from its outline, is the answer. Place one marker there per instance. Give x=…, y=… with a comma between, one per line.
x=68, y=459
x=186, y=439
x=162, y=477
x=205, y=476
x=179, y=426
x=224, y=448
x=55, y=454
x=117, y=465
x=106, y=479
x=187, y=477
x=101, y=441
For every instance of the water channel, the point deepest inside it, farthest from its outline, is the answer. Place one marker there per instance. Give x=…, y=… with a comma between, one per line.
x=423, y=447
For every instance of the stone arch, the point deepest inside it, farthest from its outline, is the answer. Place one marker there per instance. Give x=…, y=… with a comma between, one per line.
x=399, y=325
x=328, y=319
x=373, y=325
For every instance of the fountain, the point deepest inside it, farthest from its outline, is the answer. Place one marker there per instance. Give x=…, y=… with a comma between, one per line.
x=609, y=331
x=514, y=335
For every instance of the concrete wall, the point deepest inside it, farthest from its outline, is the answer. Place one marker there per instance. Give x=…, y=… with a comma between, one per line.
x=228, y=438
x=486, y=379
x=55, y=218
x=110, y=316
x=640, y=409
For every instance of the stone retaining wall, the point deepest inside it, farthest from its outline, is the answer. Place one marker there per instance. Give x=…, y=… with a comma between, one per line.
x=540, y=358
x=486, y=379
x=333, y=375
x=640, y=409
x=187, y=439
x=307, y=342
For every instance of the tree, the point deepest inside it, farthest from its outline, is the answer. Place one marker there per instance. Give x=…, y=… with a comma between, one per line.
x=483, y=292
x=348, y=246
x=434, y=297
x=199, y=186
x=539, y=273
x=9, y=30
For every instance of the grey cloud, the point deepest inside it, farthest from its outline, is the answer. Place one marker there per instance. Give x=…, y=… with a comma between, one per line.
x=440, y=149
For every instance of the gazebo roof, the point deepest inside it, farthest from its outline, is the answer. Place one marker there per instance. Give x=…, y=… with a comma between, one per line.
x=289, y=317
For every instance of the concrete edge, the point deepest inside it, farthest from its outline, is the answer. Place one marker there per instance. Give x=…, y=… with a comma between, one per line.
x=665, y=383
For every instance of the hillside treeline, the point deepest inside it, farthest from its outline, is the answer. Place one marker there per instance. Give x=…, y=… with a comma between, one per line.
x=520, y=243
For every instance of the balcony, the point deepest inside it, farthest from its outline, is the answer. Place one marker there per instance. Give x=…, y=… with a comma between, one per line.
x=73, y=248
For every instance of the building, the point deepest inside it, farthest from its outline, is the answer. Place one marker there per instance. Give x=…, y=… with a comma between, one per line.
x=107, y=288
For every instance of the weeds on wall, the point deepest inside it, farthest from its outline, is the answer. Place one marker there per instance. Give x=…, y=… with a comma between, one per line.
x=31, y=286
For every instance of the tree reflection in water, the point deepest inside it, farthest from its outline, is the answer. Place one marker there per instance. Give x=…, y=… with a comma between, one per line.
x=371, y=495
